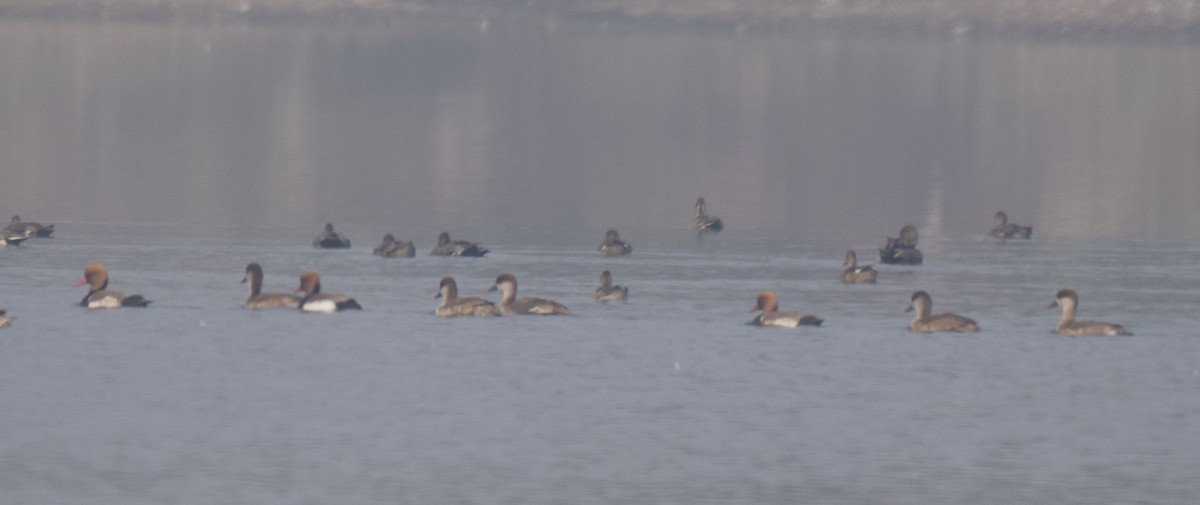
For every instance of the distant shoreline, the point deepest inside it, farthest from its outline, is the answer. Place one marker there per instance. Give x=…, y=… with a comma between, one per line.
x=1065, y=19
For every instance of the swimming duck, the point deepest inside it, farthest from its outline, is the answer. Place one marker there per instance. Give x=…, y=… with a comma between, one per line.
x=854, y=274
x=608, y=292
x=18, y=227
x=1001, y=228
x=330, y=239
x=100, y=297
x=316, y=301
x=768, y=303
x=5, y=319
x=509, y=304
x=390, y=248
x=1068, y=326
x=923, y=322
x=902, y=250
x=705, y=222
x=446, y=247
x=12, y=238
x=260, y=300
x=453, y=306
x=613, y=245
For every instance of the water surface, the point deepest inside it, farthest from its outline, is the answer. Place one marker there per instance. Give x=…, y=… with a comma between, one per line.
x=176, y=154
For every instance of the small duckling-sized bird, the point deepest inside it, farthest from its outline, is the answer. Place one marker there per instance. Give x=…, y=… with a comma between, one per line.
x=613, y=245
x=705, y=222
x=1068, y=326
x=609, y=292
x=5, y=319
x=260, y=300
x=453, y=306
x=855, y=274
x=768, y=303
x=330, y=239
x=100, y=297
x=19, y=227
x=447, y=247
x=510, y=304
x=390, y=248
x=923, y=322
x=1001, y=228
x=316, y=301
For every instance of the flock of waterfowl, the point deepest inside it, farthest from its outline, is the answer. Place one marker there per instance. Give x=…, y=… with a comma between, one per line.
x=309, y=297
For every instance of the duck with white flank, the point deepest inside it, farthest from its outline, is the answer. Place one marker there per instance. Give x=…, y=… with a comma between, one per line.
x=609, y=292
x=100, y=297
x=447, y=247
x=1068, y=326
x=768, y=303
x=260, y=300
x=453, y=306
x=19, y=227
x=330, y=239
x=613, y=245
x=5, y=319
x=509, y=304
x=1001, y=228
x=855, y=274
x=902, y=250
x=705, y=222
x=13, y=238
x=924, y=322
x=390, y=248
x=316, y=301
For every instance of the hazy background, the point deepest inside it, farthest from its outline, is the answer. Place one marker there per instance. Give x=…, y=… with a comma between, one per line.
x=178, y=152
x=524, y=129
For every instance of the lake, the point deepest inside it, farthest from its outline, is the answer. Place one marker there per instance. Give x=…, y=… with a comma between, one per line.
x=176, y=154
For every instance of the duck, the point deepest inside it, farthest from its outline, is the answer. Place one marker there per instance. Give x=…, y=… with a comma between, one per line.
x=510, y=304
x=903, y=249
x=100, y=297
x=5, y=319
x=923, y=322
x=854, y=274
x=705, y=222
x=613, y=245
x=1068, y=326
x=316, y=301
x=446, y=247
x=8, y=238
x=330, y=239
x=453, y=306
x=260, y=300
x=19, y=227
x=768, y=303
x=608, y=292
x=1001, y=228
x=390, y=248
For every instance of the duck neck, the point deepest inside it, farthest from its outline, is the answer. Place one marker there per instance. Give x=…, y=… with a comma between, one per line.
x=255, y=282
x=924, y=310
x=1068, y=311
x=508, y=294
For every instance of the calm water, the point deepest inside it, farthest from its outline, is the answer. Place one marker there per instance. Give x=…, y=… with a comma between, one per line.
x=177, y=154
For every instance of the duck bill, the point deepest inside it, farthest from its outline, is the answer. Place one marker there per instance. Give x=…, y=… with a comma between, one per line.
x=909, y=309
x=1052, y=305
x=81, y=282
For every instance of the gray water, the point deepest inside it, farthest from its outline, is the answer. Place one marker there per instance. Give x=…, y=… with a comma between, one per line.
x=177, y=154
